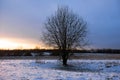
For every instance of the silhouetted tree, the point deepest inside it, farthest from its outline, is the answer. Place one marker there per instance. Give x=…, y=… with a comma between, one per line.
x=65, y=30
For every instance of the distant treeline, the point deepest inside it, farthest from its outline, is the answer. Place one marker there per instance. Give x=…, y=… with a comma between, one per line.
x=54, y=52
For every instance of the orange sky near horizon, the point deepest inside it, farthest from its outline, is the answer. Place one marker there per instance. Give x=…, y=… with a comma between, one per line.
x=22, y=22
x=14, y=43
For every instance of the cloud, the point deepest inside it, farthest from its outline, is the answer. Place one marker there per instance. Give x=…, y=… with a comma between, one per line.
x=25, y=18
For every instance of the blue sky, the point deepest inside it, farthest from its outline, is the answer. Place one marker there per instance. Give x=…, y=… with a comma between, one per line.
x=23, y=19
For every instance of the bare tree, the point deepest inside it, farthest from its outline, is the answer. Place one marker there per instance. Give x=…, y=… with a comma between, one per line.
x=65, y=30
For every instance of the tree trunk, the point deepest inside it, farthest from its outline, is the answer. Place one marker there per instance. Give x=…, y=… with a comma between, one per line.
x=64, y=60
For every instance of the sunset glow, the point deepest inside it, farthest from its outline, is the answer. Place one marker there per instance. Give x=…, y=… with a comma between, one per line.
x=24, y=20
x=12, y=44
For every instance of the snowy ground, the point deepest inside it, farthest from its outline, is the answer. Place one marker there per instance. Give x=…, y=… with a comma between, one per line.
x=53, y=70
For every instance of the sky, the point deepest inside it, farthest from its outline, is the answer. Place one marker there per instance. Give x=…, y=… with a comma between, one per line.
x=21, y=21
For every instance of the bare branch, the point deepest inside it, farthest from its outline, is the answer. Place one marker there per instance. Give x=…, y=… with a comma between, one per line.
x=65, y=30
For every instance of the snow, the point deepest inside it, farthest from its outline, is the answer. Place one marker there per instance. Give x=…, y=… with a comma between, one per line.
x=46, y=53
x=34, y=54
x=53, y=70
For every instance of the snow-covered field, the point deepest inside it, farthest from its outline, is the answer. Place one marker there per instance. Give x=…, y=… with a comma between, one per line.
x=53, y=70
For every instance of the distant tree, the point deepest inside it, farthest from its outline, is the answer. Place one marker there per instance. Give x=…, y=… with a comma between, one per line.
x=65, y=30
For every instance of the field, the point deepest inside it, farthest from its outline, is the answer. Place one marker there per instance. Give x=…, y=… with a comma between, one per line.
x=51, y=69
x=90, y=56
